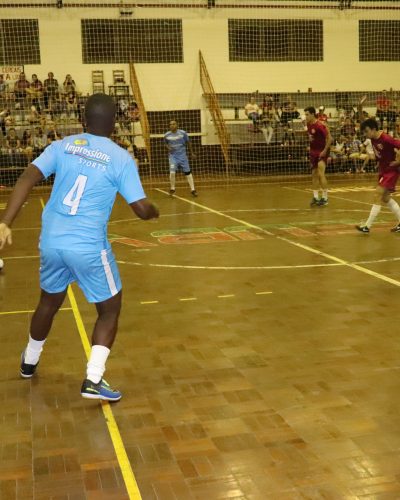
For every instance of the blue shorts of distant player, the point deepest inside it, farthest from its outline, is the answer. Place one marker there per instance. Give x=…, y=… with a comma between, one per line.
x=96, y=272
x=177, y=163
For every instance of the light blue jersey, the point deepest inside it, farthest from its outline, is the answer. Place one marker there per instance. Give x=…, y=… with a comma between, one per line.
x=89, y=171
x=177, y=143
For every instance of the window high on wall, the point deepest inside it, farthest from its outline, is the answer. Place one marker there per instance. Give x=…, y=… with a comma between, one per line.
x=136, y=40
x=275, y=40
x=19, y=41
x=379, y=40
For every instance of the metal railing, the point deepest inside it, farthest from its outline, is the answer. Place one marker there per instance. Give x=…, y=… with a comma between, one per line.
x=215, y=111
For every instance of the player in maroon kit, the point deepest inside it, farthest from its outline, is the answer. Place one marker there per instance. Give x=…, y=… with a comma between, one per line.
x=385, y=149
x=320, y=141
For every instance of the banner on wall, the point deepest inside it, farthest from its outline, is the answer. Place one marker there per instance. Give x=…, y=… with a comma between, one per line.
x=11, y=73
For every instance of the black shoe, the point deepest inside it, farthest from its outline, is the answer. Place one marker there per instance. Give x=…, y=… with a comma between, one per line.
x=314, y=202
x=194, y=193
x=395, y=229
x=102, y=391
x=172, y=192
x=27, y=371
x=322, y=202
x=362, y=229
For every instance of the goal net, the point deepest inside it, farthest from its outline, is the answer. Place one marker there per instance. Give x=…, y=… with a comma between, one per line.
x=235, y=75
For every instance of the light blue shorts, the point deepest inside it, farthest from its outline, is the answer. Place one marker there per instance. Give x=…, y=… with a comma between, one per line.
x=96, y=273
x=176, y=164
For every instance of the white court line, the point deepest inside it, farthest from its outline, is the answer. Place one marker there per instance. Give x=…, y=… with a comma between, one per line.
x=229, y=268
x=307, y=248
x=21, y=257
x=305, y=209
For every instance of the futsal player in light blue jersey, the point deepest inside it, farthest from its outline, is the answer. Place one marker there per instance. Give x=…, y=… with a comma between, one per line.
x=177, y=142
x=89, y=171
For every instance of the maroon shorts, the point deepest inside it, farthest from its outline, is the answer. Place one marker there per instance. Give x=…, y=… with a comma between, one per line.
x=315, y=158
x=388, y=179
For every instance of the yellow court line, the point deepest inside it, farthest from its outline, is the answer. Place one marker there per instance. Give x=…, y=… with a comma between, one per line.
x=149, y=302
x=187, y=299
x=120, y=451
x=263, y=293
x=333, y=258
x=28, y=311
x=227, y=296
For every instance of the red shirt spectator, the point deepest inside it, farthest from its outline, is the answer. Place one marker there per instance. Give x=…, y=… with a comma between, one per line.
x=383, y=103
x=321, y=116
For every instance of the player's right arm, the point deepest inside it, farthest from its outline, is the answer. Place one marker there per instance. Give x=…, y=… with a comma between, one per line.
x=31, y=176
x=144, y=209
x=44, y=166
x=130, y=187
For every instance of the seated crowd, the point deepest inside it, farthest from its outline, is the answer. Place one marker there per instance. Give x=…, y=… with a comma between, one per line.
x=350, y=152
x=34, y=113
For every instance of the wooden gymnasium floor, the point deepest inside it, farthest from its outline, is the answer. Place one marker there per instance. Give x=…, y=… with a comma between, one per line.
x=258, y=355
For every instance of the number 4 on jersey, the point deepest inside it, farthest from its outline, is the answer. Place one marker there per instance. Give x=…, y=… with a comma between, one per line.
x=74, y=196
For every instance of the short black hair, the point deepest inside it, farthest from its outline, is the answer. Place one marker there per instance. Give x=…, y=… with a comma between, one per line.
x=311, y=110
x=100, y=111
x=370, y=123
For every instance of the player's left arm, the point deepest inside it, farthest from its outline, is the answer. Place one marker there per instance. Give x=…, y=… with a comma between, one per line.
x=396, y=143
x=31, y=176
x=190, y=147
x=328, y=142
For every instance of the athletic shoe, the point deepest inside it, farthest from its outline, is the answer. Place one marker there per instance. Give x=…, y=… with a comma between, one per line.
x=26, y=370
x=102, y=391
x=322, y=202
x=172, y=192
x=314, y=202
x=194, y=193
x=395, y=229
x=362, y=229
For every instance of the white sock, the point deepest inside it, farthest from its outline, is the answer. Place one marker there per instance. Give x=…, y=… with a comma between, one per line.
x=97, y=363
x=190, y=181
x=373, y=214
x=172, y=180
x=33, y=351
x=325, y=194
x=316, y=194
x=394, y=207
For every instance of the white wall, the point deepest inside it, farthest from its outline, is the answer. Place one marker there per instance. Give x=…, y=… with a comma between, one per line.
x=176, y=86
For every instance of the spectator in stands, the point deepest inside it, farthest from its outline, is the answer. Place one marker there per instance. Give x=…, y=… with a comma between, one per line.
x=27, y=145
x=13, y=144
x=50, y=90
x=71, y=102
x=383, y=104
x=367, y=154
x=53, y=134
x=252, y=111
x=69, y=84
x=353, y=150
x=122, y=137
x=322, y=116
x=133, y=112
x=20, y=89
x=33, y=115
x=4, y=114
x=397, y=128
x=3, y=86
x=348, y=129
x=289, y=111
x=35, y=91
x=269, y=119
x=122, y=110
x=338, y=152
x=39, y=141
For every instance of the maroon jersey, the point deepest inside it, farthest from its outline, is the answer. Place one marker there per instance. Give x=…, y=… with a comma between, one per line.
x=317, y=133
x=384, y=148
